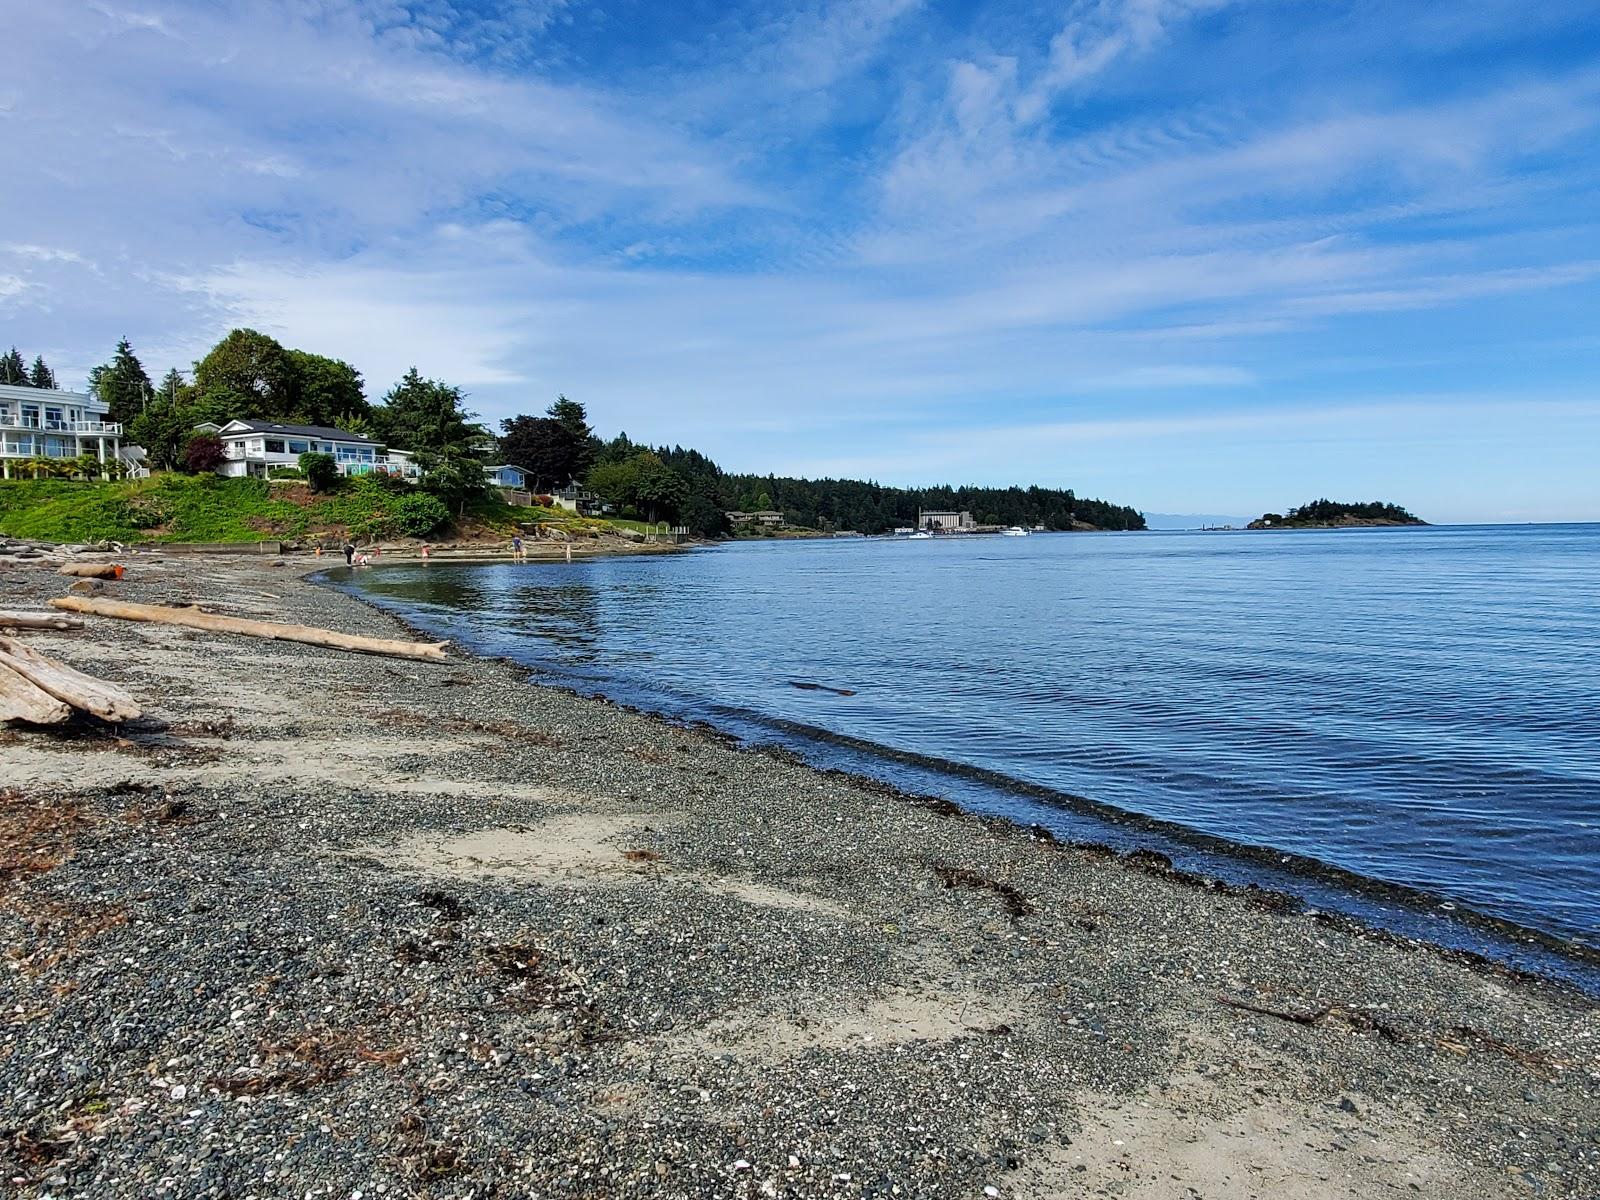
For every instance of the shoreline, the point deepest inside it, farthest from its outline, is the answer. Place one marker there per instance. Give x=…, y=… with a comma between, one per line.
x=490, y=933
x=1259, y=873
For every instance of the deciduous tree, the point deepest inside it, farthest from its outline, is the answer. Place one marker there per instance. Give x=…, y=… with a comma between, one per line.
x=248, y=376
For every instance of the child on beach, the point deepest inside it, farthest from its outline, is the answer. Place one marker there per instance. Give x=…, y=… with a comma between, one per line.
x=517, y=552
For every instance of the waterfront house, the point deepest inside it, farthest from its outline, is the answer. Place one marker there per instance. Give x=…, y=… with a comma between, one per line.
x=766, y=518
x=55, y=423
x=507, y=476
x=575, y=500
x=255, y=447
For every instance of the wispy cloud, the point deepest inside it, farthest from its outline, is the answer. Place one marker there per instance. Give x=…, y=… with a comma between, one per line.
x=756, y=226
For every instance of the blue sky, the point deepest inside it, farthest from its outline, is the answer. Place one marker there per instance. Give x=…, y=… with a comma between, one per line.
x=1191, y=255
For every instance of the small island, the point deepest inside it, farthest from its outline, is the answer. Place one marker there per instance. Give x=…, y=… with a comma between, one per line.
x=1333, y=514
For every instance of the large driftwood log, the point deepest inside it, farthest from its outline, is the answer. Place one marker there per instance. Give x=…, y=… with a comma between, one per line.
x=92, y=570
x=32, y=620
x=23, y=700
x=68, y=684
x=196, y=619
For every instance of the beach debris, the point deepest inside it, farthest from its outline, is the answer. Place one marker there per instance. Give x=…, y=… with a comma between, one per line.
x=40, y=690
x=22, y=700
x=93, y=570
x=1015, y=902
x=195, y=618
x=38, y=620
x=88, y=587
x=806, y=686
x=644, y=856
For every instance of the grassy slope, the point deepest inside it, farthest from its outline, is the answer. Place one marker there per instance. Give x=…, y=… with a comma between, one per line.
x=180, y=508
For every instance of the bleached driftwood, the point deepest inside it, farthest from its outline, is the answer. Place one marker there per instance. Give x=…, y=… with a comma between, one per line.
x=67, y=684
x=92, y=570
x=195, y=619
x=33, y=620
x=23, y=700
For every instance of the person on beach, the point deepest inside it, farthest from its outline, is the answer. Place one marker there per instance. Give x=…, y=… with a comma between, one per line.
x=349, y=554
x=425, y=551
x=517, y=553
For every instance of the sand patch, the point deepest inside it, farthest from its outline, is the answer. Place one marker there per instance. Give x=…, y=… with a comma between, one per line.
x=1217, y=1134
x=570, y=849
x=584, y=849
x=896, y=1016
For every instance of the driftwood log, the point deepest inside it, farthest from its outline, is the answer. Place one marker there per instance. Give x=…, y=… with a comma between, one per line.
x=37, y=620
x=23, y=700
x=92, y=570
x=66, y=684
x=195, y=619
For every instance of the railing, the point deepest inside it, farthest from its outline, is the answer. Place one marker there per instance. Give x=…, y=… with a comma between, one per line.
x=386, y=466
x=106, y=428
x=36, y=450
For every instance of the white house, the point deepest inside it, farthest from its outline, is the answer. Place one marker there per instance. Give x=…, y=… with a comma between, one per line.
x=53, y=423
x=255, y=447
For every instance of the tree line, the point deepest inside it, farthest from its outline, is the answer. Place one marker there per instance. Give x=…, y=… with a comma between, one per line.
x=15, y=371
x=250, y=375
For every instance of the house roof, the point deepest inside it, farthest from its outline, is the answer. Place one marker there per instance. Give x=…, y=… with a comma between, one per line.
x=17, y=391
x=305, y=431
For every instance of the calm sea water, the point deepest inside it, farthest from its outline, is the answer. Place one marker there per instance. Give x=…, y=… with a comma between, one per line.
x=1416, y=707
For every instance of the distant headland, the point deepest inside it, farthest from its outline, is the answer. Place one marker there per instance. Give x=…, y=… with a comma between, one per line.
x=1334, y=514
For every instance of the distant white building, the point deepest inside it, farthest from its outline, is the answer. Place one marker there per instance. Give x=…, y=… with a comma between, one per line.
x=54, y=423
x=949, y=522
x=255, y=447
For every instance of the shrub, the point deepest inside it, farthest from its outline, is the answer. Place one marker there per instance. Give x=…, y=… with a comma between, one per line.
x=202, y=453
x=320, y=471
x=418, y=514
x=285, y=473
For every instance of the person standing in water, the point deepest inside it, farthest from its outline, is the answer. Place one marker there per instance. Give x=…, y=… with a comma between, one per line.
x=349, y=554
x=517, y=552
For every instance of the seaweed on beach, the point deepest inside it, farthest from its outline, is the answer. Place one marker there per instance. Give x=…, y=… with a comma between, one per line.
x=1015, y=902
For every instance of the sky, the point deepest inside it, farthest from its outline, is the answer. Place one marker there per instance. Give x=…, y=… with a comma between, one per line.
x=1220, y=256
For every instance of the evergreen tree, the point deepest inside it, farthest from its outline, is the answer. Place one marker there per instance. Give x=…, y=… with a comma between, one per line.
x=13, y=370
x=122, y=384
x=425, y=415
x=39, y=375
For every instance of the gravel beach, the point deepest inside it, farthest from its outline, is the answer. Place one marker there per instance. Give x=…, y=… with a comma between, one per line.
x=322, y=924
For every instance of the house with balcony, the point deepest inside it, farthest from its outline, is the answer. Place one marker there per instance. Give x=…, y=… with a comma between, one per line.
x=46, y=423
x=256, y=447
x=575, y=500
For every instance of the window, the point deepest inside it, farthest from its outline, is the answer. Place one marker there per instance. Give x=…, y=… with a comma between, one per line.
x=30, y=416
x=274, y=446
x=297, y=447
x=55, y=418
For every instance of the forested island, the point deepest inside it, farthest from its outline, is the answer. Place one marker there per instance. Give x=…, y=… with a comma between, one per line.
x=249, y=375
x=1335, y=514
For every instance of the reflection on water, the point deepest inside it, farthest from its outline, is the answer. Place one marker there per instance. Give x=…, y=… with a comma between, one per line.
x=1412, y=706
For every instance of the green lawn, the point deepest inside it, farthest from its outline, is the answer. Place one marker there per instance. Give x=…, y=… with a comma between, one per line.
x=206, y=508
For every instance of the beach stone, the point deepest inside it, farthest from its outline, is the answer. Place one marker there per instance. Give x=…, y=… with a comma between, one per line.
x=87, y=587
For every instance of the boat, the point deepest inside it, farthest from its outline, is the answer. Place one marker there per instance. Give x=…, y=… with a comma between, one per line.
x=1014, y=531
x=921, y=535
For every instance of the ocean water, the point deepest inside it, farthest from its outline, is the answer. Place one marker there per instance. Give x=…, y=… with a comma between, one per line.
x=1399, y=722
